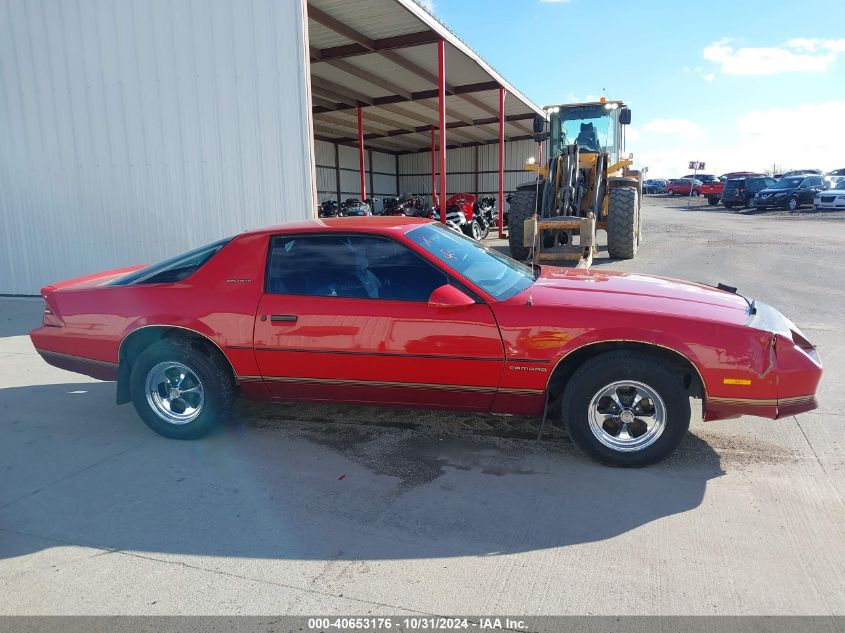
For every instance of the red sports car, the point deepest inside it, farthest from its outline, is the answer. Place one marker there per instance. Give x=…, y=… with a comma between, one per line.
x=404, y=311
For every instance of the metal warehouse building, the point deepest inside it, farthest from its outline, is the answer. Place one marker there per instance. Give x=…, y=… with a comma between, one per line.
x=131, y=130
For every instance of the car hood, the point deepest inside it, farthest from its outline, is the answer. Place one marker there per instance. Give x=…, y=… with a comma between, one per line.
x=633, y=293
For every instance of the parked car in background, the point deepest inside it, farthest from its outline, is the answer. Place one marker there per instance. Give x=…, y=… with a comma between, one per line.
x=802, y=172
x=701, y=177
x=655, y=185
x=831, y=198
x=739, y=192
x=790, y=192
x=831, y=180
x=407, y=312
x=682, y=187
x=836, y=172
x=712, y=190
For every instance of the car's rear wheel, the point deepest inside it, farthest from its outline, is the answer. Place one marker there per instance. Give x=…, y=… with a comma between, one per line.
x=181, y=389
x=712, y=201
x=626, y=409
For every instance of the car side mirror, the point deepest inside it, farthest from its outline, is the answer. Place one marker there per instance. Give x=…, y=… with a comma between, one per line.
x=802, y=186
x=625, y=116
x=539, y=123
x=447, y=296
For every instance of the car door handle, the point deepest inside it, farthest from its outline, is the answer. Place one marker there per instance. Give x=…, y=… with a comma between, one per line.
x=282, y=318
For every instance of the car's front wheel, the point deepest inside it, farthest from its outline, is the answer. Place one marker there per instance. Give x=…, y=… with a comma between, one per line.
x=181, y=389
x=626, y=409
x=792, y=203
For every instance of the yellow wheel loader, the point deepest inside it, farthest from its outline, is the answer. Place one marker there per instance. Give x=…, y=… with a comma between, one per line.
x=587, y=184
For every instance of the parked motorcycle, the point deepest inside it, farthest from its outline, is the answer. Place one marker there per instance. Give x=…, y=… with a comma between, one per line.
x=388, y=205
x=355, y=207
x=469, y=214
x=329, y=209
x=409, y=204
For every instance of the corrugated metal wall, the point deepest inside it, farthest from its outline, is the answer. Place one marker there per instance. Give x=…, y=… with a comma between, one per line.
x=469, y=169
x=133, y=130
x=380, y=169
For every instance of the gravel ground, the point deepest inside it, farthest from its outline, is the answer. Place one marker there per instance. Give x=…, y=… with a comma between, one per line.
x=306, y=509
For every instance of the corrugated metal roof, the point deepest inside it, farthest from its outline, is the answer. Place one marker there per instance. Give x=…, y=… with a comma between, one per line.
x=382, y=55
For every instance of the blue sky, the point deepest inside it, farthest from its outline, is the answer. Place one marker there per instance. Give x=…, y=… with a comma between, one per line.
x=740, y=85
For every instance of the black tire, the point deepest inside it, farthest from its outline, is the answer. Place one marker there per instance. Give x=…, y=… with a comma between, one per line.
x=485, y=231
x=696, y=193
x=728, y=205
x=601, y=371
x=622, y=223
x=475, y=231
x=522, y=207
x=215, y=378
x=792, y=204
x=712, y=201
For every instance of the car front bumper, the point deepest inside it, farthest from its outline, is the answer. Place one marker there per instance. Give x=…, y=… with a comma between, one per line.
x=837, y=203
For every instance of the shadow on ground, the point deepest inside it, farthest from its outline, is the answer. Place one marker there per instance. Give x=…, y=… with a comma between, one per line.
x=315, y=482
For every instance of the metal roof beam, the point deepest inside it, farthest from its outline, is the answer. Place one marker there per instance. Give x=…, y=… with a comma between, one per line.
x=400, y=98
x=376, y=80
x=378, y=46
x=321, y=17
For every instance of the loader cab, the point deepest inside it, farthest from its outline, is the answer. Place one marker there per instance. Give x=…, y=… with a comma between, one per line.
x=596, y=127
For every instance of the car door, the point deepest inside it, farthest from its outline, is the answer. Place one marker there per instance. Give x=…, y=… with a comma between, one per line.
x=347, y=318
x=807, y=190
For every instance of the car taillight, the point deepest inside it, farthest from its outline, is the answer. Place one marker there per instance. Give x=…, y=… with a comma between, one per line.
x=50, y=317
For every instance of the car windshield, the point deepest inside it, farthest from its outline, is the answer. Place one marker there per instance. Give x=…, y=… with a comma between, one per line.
x=840, y=185
x=175, y=269
x=497, y=274
x=787, y=183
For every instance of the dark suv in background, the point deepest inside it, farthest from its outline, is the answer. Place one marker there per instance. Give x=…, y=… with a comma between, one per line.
x=739, y=192
x=790, y=192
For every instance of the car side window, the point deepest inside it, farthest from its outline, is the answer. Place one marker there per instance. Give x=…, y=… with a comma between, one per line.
x=352, y=266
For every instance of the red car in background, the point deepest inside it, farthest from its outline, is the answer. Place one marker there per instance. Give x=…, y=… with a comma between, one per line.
x=682, y=187
x=407, y=312
x=713, y=189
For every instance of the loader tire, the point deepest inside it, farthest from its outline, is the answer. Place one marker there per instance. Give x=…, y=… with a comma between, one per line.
x=622, y=223
x=522, y=207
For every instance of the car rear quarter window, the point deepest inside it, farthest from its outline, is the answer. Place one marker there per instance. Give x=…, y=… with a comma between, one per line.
x=176, y=268
x=351, y=266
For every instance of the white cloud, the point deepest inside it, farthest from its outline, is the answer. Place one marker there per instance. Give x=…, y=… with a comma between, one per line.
x=797, y=55
x=709, y=76
x=683, y=128
x=807, y=136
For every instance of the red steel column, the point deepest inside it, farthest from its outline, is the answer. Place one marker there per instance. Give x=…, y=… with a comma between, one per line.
x=441, y=93
x=433, y=170
x=502, y=93
x=361, y=166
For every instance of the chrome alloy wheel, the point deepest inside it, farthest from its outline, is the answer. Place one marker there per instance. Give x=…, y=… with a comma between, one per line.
x=627, y=416
x=174, y=392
